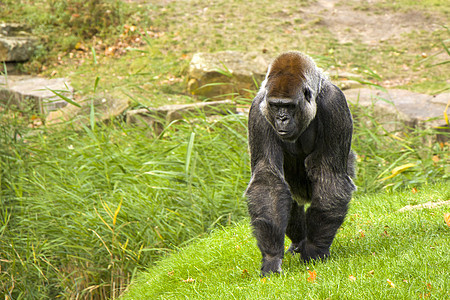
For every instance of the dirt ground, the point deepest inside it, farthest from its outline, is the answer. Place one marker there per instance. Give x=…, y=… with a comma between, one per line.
x=369, y=26
x=359, y=20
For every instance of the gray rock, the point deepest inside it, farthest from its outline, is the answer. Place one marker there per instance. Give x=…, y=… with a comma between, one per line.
x=442, y=99
x=13, y=29
x=348, y=84
x=23, y=91
x=345, y=80
x=16, y=43
x=158, y=117
x=396, y=108
x=224, y=73
x=17, y=48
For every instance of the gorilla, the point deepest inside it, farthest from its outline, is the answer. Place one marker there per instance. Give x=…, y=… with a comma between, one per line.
x=300, y=133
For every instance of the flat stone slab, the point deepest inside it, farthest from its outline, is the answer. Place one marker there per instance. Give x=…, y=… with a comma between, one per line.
x=25, y=90
x=402, y=106
x=156, y=117
x=106, y=107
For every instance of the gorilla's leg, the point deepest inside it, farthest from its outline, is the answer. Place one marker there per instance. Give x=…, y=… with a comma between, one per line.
x=296, y=228
x=269, y=202
x=326, y=214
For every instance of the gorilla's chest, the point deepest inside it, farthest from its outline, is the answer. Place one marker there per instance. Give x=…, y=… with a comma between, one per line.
x=295, y=175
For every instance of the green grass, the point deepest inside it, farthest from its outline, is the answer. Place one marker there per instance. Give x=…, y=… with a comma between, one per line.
x=376, y=243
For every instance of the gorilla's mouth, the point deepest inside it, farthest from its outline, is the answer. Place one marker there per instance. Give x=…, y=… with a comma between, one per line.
x=286, y=135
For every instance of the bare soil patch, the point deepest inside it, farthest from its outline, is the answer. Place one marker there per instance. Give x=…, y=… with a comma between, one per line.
x=348, y=22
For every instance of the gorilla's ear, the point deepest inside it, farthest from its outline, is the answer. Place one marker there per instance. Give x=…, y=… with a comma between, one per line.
x=308, y=94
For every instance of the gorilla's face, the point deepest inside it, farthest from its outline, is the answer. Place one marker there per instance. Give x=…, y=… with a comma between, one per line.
x=290, y=116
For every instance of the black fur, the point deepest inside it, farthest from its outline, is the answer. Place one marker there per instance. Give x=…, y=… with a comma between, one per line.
x=311, y=163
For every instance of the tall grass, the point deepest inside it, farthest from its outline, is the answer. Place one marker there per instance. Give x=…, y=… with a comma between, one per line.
x=402, y=158
x=82, y=210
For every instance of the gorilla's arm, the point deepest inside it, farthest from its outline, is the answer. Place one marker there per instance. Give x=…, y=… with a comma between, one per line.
x=269, y=197
x=327, y=168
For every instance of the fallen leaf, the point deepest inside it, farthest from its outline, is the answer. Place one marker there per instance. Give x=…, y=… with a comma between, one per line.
x=312, y=276
x=414, y=190
x=352, y=278
x=244, y=273
x=447, y=219
x=371, y=272
x=435, y=158
x=390, y=283
x=398, y=170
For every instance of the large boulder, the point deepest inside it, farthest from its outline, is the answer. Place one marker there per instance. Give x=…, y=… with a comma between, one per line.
x=16, y=43
x=223, y=73
x=37, y=92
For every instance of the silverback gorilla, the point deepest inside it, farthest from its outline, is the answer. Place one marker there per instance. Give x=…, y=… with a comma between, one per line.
x=300, y=132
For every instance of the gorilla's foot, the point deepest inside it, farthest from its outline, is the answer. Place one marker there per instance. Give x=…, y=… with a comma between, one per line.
x=271, y=265
x=309, y=251
x=293, y=248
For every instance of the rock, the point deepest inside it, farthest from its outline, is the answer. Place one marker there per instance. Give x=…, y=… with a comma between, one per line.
x=16, y=49
x=345, y=80
x=23, y=91
x=348, y=84
x=442, y=99
x=16, y=44
x=157, y=117
x=13, y=29
x=223, y=73
x=395, y=108
x=105, y=108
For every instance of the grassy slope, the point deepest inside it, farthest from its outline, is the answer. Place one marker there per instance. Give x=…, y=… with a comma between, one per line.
x=376, y=243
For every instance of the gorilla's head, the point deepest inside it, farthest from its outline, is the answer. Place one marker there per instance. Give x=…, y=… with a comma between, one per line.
x=290, y=90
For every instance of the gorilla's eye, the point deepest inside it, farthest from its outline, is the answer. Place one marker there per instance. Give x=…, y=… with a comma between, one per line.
x=277, y=105
x=308, y=95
